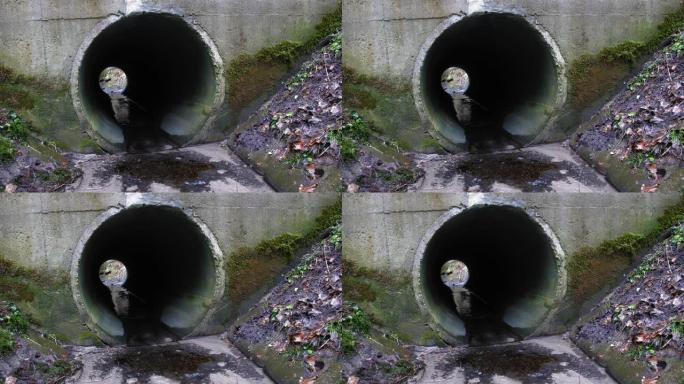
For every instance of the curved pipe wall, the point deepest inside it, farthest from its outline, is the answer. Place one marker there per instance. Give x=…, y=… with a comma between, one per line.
x=516, y=274
x=175, y=79
x=516, y=73
x=175, y=274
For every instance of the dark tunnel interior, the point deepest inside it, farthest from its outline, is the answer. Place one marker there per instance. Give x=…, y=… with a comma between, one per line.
x=512, y=75
x=513, y=274
x=171, y=274
x=171, y=81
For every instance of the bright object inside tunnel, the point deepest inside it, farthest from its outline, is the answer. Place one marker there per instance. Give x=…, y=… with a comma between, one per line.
x=171, y=275
x=173, y=81
x=514, y=80
x=513, y=275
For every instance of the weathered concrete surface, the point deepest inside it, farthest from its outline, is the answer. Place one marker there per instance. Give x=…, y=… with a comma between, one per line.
x=47, y=40
x=41, y=37
x=221, y=363
x=389, y=256
x=42, y=230
x=383, y=38
x=549, y=360
x=216, y=169
x=387, y=49
x=383, y=231
x=544, y=168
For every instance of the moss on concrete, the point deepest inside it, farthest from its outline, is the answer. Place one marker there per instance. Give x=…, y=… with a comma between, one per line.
x=249, y=269
x=593, y=271
x=592, y=77
x=250, y=76
x=47, y=105
x=46, y=298
x=390, y=303
x=390, y=110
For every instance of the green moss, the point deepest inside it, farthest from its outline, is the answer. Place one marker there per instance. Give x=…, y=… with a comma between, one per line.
x=249, y=268
x=250, y=76
x=591, y=269
x=388, y=108
x=6, y=341
x=350, y=328
x=350, y=136
x=46, y=106
x=45, y=297
x=389, y=301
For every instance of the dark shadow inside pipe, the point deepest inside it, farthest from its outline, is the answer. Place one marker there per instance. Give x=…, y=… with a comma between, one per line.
x=171, y=274
x=512, y=268
x=171, y=81
x=513, y=76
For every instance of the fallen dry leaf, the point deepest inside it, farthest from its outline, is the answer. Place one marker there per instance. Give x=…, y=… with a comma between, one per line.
x=650, y=188
x=308, y=189
x=353, y=380
x=310, y=380
x=11, y=188
x=650, y=380
x=352, y=188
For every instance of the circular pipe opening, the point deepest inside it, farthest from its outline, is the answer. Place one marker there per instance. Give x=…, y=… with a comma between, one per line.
x=488, y=275
x=516, y=81
x=174, y=81
x=147, y=274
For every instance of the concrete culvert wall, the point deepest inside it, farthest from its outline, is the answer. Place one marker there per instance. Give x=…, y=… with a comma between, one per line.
x=516, y=77
x=516, y=274
x=175, y=80
x=174, y=274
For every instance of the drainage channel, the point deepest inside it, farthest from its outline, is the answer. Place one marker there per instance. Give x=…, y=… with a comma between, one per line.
x=172, y=82
x=489, y=274
x=514, y=74
x=147, y=274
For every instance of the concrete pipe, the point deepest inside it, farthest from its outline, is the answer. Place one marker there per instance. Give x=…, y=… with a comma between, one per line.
x=516, y=73
x=515, y=274
x=174, y=77
x=174, y=275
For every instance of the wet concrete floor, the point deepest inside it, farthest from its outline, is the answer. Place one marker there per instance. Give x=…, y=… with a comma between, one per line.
x=202, y=168
x=547, y=360
x=210, y=360
x=543, y=168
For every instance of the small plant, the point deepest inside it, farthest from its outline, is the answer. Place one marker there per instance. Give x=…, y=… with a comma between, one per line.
x=638, y=159
x=15, y=129
x=297, y=80
x=297, y=159
x=7, y=149
x=299, y=271
x=6, y=341
x=637, y=351
x=336, y=236
x=676, y=136
x=335, y=45
x=677, y=328
x=642, y=78
x=678, y=45
x=642, y=270
x=350, y=135
x=348, y=328
x=678, y=235
x=296, y=351
x=14, y=320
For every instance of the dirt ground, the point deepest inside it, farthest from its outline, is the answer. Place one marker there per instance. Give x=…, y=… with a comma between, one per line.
x=643, y=126
x=643, y=319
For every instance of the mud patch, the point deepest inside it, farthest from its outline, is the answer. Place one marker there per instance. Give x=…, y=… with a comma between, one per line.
x=184, y=171
x=526, y=171
x=182, y=362
x=527, y=363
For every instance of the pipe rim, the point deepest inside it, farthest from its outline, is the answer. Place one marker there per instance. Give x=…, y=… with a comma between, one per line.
x=212, y=50
x=417, y=84
x=77, y=254
x=419, y=291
